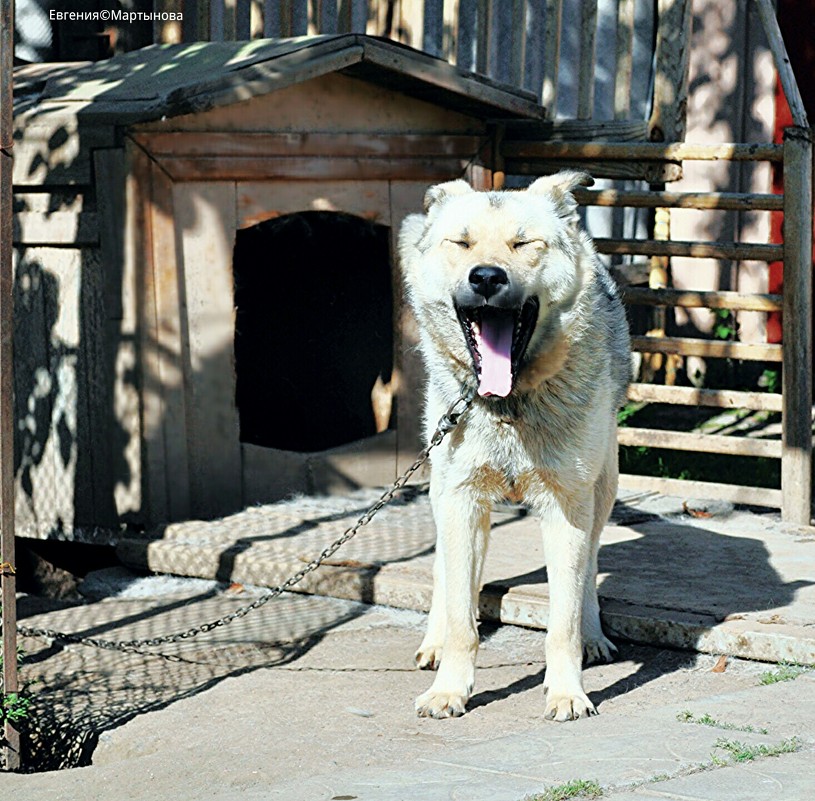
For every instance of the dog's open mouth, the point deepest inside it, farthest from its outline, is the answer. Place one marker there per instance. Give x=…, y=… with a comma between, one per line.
x=498, y=339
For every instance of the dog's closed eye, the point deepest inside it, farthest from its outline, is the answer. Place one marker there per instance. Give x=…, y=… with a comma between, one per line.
x=462, y=243
x=522, y=243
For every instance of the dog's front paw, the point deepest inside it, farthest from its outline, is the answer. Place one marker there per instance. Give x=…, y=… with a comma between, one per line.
x=428, y=657
x=438, y=704
x=566, y=706
x=600, y=649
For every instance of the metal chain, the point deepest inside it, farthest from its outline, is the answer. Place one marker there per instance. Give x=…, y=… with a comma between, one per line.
x=446, y=424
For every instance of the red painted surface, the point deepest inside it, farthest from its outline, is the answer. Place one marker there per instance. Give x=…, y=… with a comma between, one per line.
x=797, y=22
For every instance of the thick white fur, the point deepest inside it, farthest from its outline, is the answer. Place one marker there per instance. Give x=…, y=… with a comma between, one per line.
x=550, y=443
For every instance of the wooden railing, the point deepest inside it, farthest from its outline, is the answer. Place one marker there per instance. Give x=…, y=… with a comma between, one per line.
x=524, y=153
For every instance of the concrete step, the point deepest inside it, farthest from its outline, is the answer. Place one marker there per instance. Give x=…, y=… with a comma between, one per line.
x=728, y=582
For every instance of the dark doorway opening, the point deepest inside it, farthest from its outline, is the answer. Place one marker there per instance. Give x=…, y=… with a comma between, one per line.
x=313, y=329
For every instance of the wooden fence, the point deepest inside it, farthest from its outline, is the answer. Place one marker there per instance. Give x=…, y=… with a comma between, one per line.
x=518, y=42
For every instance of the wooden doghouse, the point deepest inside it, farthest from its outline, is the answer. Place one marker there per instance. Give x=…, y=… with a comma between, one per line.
x=231, y=312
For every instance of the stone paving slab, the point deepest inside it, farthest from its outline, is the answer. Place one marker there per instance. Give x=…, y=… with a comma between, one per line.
x=788, y=777
x=732, y=583
x=638, y=758
x=312, y=698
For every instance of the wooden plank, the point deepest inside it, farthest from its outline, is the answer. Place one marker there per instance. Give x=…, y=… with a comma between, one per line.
x=94, y=488
x=653, y=151
x=699, y=443
x=617, y=131
x=172, y=347
x=585, y=79
x=272, y=28
x=55, y=228
x=312, y=169
x=299, y=17
x=139, y=260
x=442, y=83
x=702, y=300
x=624, y=58
x=697, y=250
x=735, y=493
x=432, y=24
x=217, y=21
x=672, y=56
x=729, y=201
x=515, y=38
x=766, y=12
x=534, y=32
x=110, y=190
x=98, y=463
x=409, y=371
x=653, y=172
x=127, y=223
x=796, y=469
x=359, y=16
x=551, y=56
x=711, y=348
x=118, y=441
x=716, y=398
x=206, y=217
x=482, y=49
x=263, y=200
x=214, y=144
x=243, y=19
x=10, y=734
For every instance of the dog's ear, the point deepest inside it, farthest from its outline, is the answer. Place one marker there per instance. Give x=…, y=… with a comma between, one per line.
x=560, y=182
x=440, y=192
x=559, y=187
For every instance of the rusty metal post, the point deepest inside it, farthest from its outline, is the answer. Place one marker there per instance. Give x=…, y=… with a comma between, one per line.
x=8, y=594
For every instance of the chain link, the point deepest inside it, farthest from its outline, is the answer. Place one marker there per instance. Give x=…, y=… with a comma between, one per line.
x=445, y=425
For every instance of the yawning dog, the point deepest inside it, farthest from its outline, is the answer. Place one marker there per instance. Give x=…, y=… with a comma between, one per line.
x=513, y=303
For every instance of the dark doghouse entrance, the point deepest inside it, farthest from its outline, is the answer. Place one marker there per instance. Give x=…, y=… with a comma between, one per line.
x=313, y=329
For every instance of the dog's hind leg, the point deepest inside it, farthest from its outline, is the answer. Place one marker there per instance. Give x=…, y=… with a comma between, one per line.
x=567, y=545
x=596, y=646
x=462, y=524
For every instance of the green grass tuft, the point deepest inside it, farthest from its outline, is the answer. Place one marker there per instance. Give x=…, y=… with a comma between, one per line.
x=786, y=672
x=707, y=720
x=577, y=788
x=739, y=752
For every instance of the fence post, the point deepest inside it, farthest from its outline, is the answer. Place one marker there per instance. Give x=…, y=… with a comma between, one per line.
x=796, y=460
x=11, y=742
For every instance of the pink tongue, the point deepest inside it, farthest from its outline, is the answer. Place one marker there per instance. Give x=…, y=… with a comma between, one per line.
x=496, y=356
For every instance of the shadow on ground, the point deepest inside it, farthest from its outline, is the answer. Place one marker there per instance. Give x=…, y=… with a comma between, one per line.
x=80, y=692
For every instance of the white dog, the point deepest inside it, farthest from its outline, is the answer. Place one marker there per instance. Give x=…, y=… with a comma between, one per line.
x=510, y=297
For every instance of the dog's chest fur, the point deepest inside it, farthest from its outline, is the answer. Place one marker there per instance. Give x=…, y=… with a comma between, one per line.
x=517, y=456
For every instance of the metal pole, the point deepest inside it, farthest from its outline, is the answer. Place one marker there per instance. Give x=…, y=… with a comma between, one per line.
x=8, y=590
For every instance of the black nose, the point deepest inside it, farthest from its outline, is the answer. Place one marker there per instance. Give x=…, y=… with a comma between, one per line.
x=488, y=281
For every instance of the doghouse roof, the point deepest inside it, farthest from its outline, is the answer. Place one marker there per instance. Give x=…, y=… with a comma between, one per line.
x=168, y=80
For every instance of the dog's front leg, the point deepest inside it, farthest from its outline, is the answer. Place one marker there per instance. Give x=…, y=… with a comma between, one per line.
x=462, y=523
x=567, y=545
